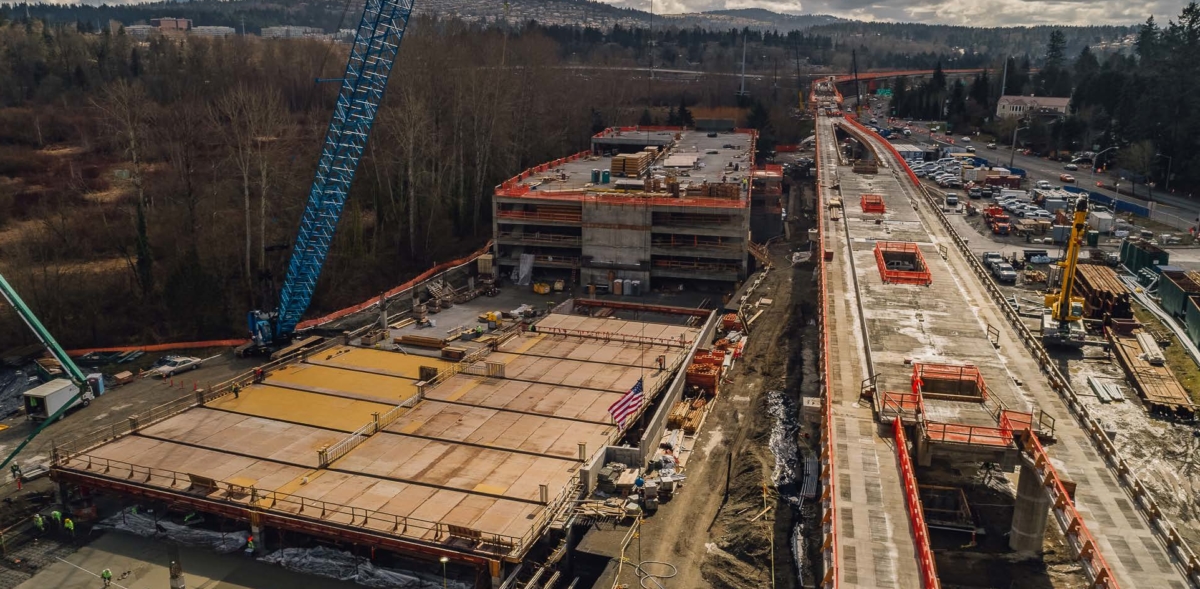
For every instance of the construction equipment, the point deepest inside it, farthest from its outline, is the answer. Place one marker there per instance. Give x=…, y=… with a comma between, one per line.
x=86, y=388
x=1062, y=319
x=376, y=41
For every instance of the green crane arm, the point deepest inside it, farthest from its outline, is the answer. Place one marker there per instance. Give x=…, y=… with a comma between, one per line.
x=42, y=334
x=56, y=350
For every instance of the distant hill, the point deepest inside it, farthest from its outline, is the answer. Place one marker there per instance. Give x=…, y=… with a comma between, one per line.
x=604, y=15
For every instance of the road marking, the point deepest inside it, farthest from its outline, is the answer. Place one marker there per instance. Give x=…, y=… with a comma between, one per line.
x=112, y=583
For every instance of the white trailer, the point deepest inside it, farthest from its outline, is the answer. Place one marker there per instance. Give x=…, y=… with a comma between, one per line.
x=46, y=399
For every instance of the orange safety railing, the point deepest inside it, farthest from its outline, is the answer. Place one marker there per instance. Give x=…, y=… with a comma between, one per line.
x=829, y=525
x=1074, y=528
x=541, y=216
x=872, y=203
x=541, y=238
x=924, y=372
x=901, y=406
x=699, y=266
x=975, y=435
x=700, y=241
x=916, y=514
x=919, y=277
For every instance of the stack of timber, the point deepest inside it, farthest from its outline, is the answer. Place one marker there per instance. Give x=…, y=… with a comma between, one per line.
x=631, y=165
x=687, y=415
x=421, y=341
x=1156, y=385
x=1103, y=293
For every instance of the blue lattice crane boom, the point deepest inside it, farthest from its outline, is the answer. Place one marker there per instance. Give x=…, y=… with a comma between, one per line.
x=371, y=59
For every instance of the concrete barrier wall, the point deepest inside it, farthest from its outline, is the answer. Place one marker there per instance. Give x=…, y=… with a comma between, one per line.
x=658, y=422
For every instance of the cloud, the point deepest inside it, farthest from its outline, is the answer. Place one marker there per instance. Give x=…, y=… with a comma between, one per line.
x=980, y=13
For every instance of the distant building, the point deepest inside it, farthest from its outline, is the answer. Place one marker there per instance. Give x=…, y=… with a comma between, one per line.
x=211, y=31
x=140, y=31
x=171, y=24
x=1023, y=106
x=291, y=32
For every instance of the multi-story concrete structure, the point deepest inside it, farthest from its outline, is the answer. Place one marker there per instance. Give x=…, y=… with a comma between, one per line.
x=658, y=206
x=290, y=32
x=1027, y=106
x=171, y=24
x=213, y=31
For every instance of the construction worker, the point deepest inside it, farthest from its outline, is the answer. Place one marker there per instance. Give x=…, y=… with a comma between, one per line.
x=56, y=515
x=107, y=576
x=69, y=526
x=250, y=546
x=39, y=523
x=258, y=375
x=236, y=389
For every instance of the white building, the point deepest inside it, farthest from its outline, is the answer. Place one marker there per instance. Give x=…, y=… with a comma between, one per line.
x=290, y=32
x=140, y=31
x=1023, y=106
x=213, y=31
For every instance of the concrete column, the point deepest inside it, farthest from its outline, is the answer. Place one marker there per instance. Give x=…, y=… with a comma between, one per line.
x=1031, y=512
x=495, y=571
x=259, y=533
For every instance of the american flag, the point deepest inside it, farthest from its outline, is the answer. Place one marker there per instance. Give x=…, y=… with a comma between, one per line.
x=627, y=405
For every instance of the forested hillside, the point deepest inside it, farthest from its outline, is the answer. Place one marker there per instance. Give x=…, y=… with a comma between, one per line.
x=150, y=191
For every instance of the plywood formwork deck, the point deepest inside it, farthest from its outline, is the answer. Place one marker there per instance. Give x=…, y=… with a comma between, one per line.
x=461, y=467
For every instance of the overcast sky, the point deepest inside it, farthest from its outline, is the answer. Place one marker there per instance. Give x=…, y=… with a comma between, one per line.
x=956, y=12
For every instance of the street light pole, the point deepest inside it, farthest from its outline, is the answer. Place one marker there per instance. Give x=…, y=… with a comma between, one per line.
x=1012, y=151
x=1169, y=161
x=445, y=582
x=1096, y=162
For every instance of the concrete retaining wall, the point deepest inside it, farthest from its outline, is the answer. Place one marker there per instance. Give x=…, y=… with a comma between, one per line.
x=658, y=422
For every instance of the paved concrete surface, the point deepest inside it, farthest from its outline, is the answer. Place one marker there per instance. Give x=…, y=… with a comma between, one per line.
x=875, y=540
x=147, y=561
x=1136, y=555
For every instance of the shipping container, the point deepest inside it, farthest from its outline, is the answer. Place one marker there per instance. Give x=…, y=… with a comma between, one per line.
x=1192, y=319
x=1101, y=221
x=1137, y=255
x=1174, y=289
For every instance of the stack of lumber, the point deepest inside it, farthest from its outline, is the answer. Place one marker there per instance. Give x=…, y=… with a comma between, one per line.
x=631, y=165
x=1103, y=293
x=695, y=415
x=704, y=376
x=421, y=341
x=678, y=414
x=709, y=357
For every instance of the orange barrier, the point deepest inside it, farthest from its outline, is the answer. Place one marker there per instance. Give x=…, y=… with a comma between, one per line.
x=872, y=203
x=220, y=343
x=426, y=275
x=1075, y=529
x=916, y=514
x=901, y=405
x=829, y=524
x=919, y=277
x=975, y=435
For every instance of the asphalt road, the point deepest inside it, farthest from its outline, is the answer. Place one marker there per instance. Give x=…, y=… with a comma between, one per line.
x=1044, y=169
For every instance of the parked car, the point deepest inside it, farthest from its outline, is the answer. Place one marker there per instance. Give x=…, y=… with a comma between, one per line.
x=901, y=265
x=1071, y=167
x=951, y=199
x=1043, y=185
x=975, y=192
x=990, y=258
x=176, y=365
x=1004, y=272
x=991, y=146
x=1067, y=178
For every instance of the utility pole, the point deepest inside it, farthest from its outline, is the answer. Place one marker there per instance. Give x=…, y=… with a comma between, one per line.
x=1012, y=152
x=745, y=40
x=857, y=87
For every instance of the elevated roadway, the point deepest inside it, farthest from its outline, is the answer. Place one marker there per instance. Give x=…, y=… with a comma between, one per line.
x=1123, y=544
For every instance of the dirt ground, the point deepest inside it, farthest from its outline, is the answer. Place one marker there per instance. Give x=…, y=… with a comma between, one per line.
x=708, y=535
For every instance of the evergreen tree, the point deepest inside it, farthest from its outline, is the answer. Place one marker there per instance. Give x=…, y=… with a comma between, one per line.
x=646, y=119
x=685, y=115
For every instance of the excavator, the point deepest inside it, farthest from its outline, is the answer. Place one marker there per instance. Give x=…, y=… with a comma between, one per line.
x=1062, y=319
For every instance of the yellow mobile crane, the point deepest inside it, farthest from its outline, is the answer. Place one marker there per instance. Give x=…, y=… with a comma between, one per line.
x=1062, y=319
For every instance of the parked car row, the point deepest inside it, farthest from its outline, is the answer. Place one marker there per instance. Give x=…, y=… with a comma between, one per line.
x=1000, y=269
